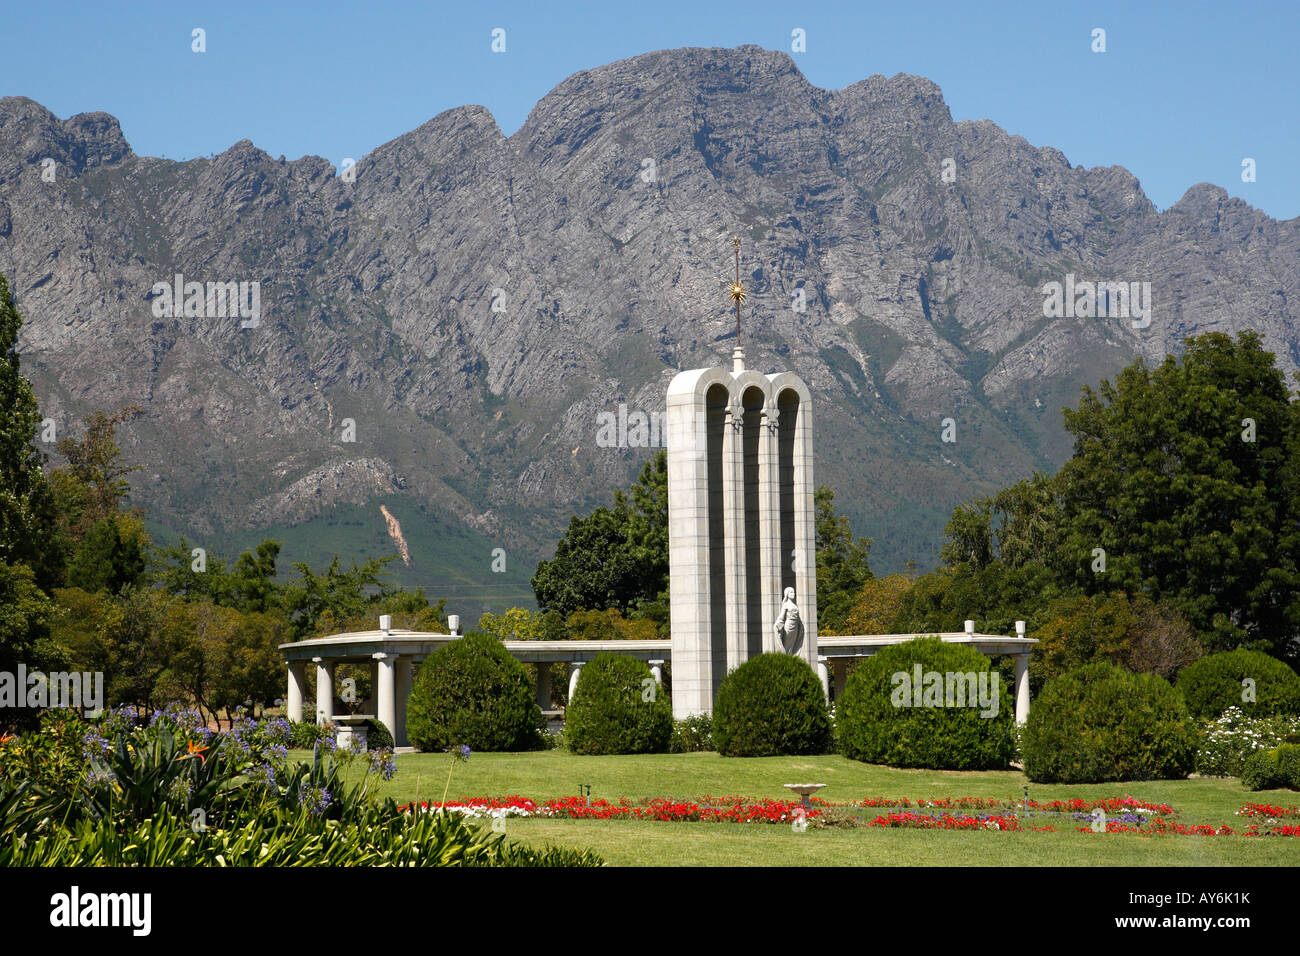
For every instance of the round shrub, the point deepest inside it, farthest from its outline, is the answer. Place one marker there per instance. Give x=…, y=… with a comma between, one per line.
x=1101, y=722
x=1214, y=683
x=472, y=692
x=883, y=718
x=770, y=705
x=378, y=736
x=618, y=708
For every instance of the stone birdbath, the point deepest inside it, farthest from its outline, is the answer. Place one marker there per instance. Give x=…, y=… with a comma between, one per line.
x=805, y=790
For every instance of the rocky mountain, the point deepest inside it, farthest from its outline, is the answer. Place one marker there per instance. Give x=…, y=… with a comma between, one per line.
x=463, y=304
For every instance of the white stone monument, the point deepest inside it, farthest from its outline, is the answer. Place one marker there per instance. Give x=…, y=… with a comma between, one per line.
x=741, y=521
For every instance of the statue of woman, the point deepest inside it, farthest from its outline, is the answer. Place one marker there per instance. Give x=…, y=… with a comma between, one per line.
x=789, y=628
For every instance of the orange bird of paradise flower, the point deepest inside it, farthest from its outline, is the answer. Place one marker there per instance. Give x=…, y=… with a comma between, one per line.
x=195, y=752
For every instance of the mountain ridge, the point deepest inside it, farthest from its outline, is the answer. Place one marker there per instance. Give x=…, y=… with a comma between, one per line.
x=923, y=297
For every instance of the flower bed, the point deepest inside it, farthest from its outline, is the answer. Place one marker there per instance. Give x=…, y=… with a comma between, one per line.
x=1123, y=814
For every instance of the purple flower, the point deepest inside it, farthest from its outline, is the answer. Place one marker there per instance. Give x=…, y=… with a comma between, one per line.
x=315, y=799
x=382, y=763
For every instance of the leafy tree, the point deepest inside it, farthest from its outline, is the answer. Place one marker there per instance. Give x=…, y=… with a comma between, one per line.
x=99, y=487
x=593, y=567
x=515, y=624
x=1184, y=475
x=131, y=647
x=842, y=566
x=26, y=613
x=26, y=505
x=174, y=572
x=252, y=581
x=608, y=625
x=876, y=606
x=318, y=603
x=111, y=556
x=614, y=558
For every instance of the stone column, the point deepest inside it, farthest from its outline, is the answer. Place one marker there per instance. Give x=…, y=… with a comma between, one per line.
x=1022, y=688
x=403, y=697
x=297, y=681
x=824, y=677
x=688, y=542
x=574, y=670
x=386, y=691
x=324, y=691
x=841, y=668
x=657, y=672
x=805, y=529
x=544, y=685
x=733, y=498
x=769, y=521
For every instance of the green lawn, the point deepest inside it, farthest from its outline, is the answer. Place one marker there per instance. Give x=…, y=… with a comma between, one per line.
x=548, y=774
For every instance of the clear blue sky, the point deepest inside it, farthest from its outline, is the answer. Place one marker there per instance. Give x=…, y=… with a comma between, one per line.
x=1182, y=94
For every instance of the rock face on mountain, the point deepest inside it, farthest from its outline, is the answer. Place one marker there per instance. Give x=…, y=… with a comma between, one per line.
x=466, y=303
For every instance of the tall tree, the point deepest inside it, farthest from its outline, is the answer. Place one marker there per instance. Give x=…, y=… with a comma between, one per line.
x=1182, y=487
x=615, y=557
x=26, y=506
x=842, y=563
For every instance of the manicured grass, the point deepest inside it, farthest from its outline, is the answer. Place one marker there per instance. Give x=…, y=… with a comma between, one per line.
x=557, y=773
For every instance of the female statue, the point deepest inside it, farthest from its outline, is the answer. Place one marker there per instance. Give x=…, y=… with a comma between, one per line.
x=789, y=628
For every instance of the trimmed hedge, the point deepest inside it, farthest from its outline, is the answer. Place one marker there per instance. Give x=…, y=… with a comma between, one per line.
x=378, y=736
x=772, y=704
x=618, y=708
x=1214, y=683
x=1102, y=723
x=878, y=720
x=473, y=692
x=1273, y=769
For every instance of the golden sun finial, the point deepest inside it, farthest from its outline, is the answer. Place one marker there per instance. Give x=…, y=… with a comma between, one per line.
x=737, y=289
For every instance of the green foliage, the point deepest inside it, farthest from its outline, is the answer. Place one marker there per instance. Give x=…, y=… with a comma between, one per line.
x=26, y=517
x=303, y=734
x=1192, y=514
x=618, y=709
x=106, y=559
x=287, y=839
x=473, y=692
x=1132, y=632
x=692, y=734
x=876, y=722
x=319, y=603
x=770, y=705
x=842, y=563
x=1186, y=509
x=592, y=567
x=25, y=616
x=378, y=736
x=994, y=596
x=614, y=558
x=875, y=607
x=1214, y=683
x=1273, y=769
x=1101, y=722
